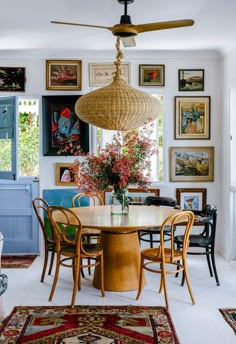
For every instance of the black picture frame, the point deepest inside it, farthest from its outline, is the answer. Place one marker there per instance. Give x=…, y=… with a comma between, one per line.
x=58, y=111
x=191, y=80
x=12, y=79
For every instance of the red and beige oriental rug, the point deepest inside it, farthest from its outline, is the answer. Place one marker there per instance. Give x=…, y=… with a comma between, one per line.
x=88, y=324
x=229, y=315
x=17, y=261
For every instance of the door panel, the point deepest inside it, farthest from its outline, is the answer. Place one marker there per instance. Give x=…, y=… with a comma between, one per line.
x=17, y=222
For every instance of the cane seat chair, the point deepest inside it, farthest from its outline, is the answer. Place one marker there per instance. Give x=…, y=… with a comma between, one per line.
x=71, y=252
x=149, y=234
x=160, y=259
x=203, y=243
x=41, y=210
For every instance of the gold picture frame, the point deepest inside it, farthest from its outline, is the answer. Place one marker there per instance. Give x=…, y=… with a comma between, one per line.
x=102, y=74
x=137, y=196
x=65, y=175
x=192, y=118
x=64, y=75
x=191, y=198
x=151, y=75
x=191, y=164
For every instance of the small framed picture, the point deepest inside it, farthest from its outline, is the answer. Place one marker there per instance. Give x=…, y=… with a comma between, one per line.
x=12, y=79
x=102, y=74
x=63, y=75
x=192, y=164
x=136, y=196
x=151, y=75
x=191, y=79
x=65, y=174
x=191, y=199
x=192, y=118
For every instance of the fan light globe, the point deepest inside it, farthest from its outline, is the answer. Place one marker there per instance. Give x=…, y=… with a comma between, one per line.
x=117, y=106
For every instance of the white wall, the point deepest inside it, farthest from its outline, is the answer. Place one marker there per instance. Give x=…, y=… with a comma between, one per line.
x=209, y=61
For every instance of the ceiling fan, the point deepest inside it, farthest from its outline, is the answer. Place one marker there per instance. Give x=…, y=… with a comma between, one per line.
x=126, y=30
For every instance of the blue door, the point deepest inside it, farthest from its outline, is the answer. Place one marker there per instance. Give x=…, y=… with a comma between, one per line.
x=17, y=221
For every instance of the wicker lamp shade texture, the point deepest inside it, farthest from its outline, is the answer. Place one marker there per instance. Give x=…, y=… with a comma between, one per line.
x=117, y=107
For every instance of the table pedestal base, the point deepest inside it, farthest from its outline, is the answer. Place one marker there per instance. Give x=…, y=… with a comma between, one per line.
x=121, y=262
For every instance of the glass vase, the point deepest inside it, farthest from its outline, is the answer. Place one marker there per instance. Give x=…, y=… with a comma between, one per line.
x=119, y=202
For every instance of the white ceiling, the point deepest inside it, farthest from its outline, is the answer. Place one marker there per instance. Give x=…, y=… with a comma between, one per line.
x=26, y=24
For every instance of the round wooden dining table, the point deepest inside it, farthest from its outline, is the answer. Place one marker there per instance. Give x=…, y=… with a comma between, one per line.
x=119, y=240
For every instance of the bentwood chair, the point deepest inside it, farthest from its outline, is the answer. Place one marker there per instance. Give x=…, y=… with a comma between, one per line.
x=41, y=210
x=149, y=234
x=203, y=243
x=89, y=234
x=160, y=259
x=71, y=252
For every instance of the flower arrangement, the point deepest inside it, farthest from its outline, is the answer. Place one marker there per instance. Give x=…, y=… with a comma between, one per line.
x=125, y=161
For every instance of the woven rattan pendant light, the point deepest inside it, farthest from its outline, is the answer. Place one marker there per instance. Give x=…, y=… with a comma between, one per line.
x=117, y=106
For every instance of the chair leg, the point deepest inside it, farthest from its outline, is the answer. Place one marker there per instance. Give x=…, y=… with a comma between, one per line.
x=51, y=262
x=141, y=278
x=55, y=278
x=214, y=267
x=208, y=261
x=151, y=240
x=185, y=273
x=163, y=279
x=102, y=274
x=76, y=275
x=45, y=263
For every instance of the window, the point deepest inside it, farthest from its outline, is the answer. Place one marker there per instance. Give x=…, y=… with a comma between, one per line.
x=105, y=136
x=28, y=137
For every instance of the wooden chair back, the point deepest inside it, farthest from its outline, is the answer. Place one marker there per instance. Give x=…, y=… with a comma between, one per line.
x=95, y=199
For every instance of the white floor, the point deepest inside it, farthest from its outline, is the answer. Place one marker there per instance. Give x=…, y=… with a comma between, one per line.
x=199, y=323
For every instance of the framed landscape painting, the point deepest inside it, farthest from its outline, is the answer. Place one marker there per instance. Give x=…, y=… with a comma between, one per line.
x=12, y=79
x=63, y=75
x=192, y=164
x=192, y=118
x=191, y=199
x=102, y=74
x=63, y=131
x=191, y=79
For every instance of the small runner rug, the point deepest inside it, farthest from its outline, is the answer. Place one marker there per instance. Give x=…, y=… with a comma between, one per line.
x=17, y=261
x=229, y=315
x=88, y=324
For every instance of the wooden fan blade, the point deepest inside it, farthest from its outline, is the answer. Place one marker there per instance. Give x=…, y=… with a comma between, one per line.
x=163, y=25
x=76, y=24
x=128, y=42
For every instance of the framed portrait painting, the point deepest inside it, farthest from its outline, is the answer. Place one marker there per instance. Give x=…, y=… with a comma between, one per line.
x=65, y=175
x=191, y=199
x=63, y=75
x=63, y=132
x=12, y=79
x=191, y=79
x=192, y=118
x=151, y=75
x=192, y=164
x=102, y=74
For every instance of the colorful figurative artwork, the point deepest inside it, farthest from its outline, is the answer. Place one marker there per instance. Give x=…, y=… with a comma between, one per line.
x=63, y=75
x=192, y=118
x=191, y=199
x=65, y=126
x=63, y=132
x=151, y=75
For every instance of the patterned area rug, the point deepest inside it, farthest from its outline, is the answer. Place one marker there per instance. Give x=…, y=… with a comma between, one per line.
x=229, y=315
x=17, y=261
x=88, y=324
